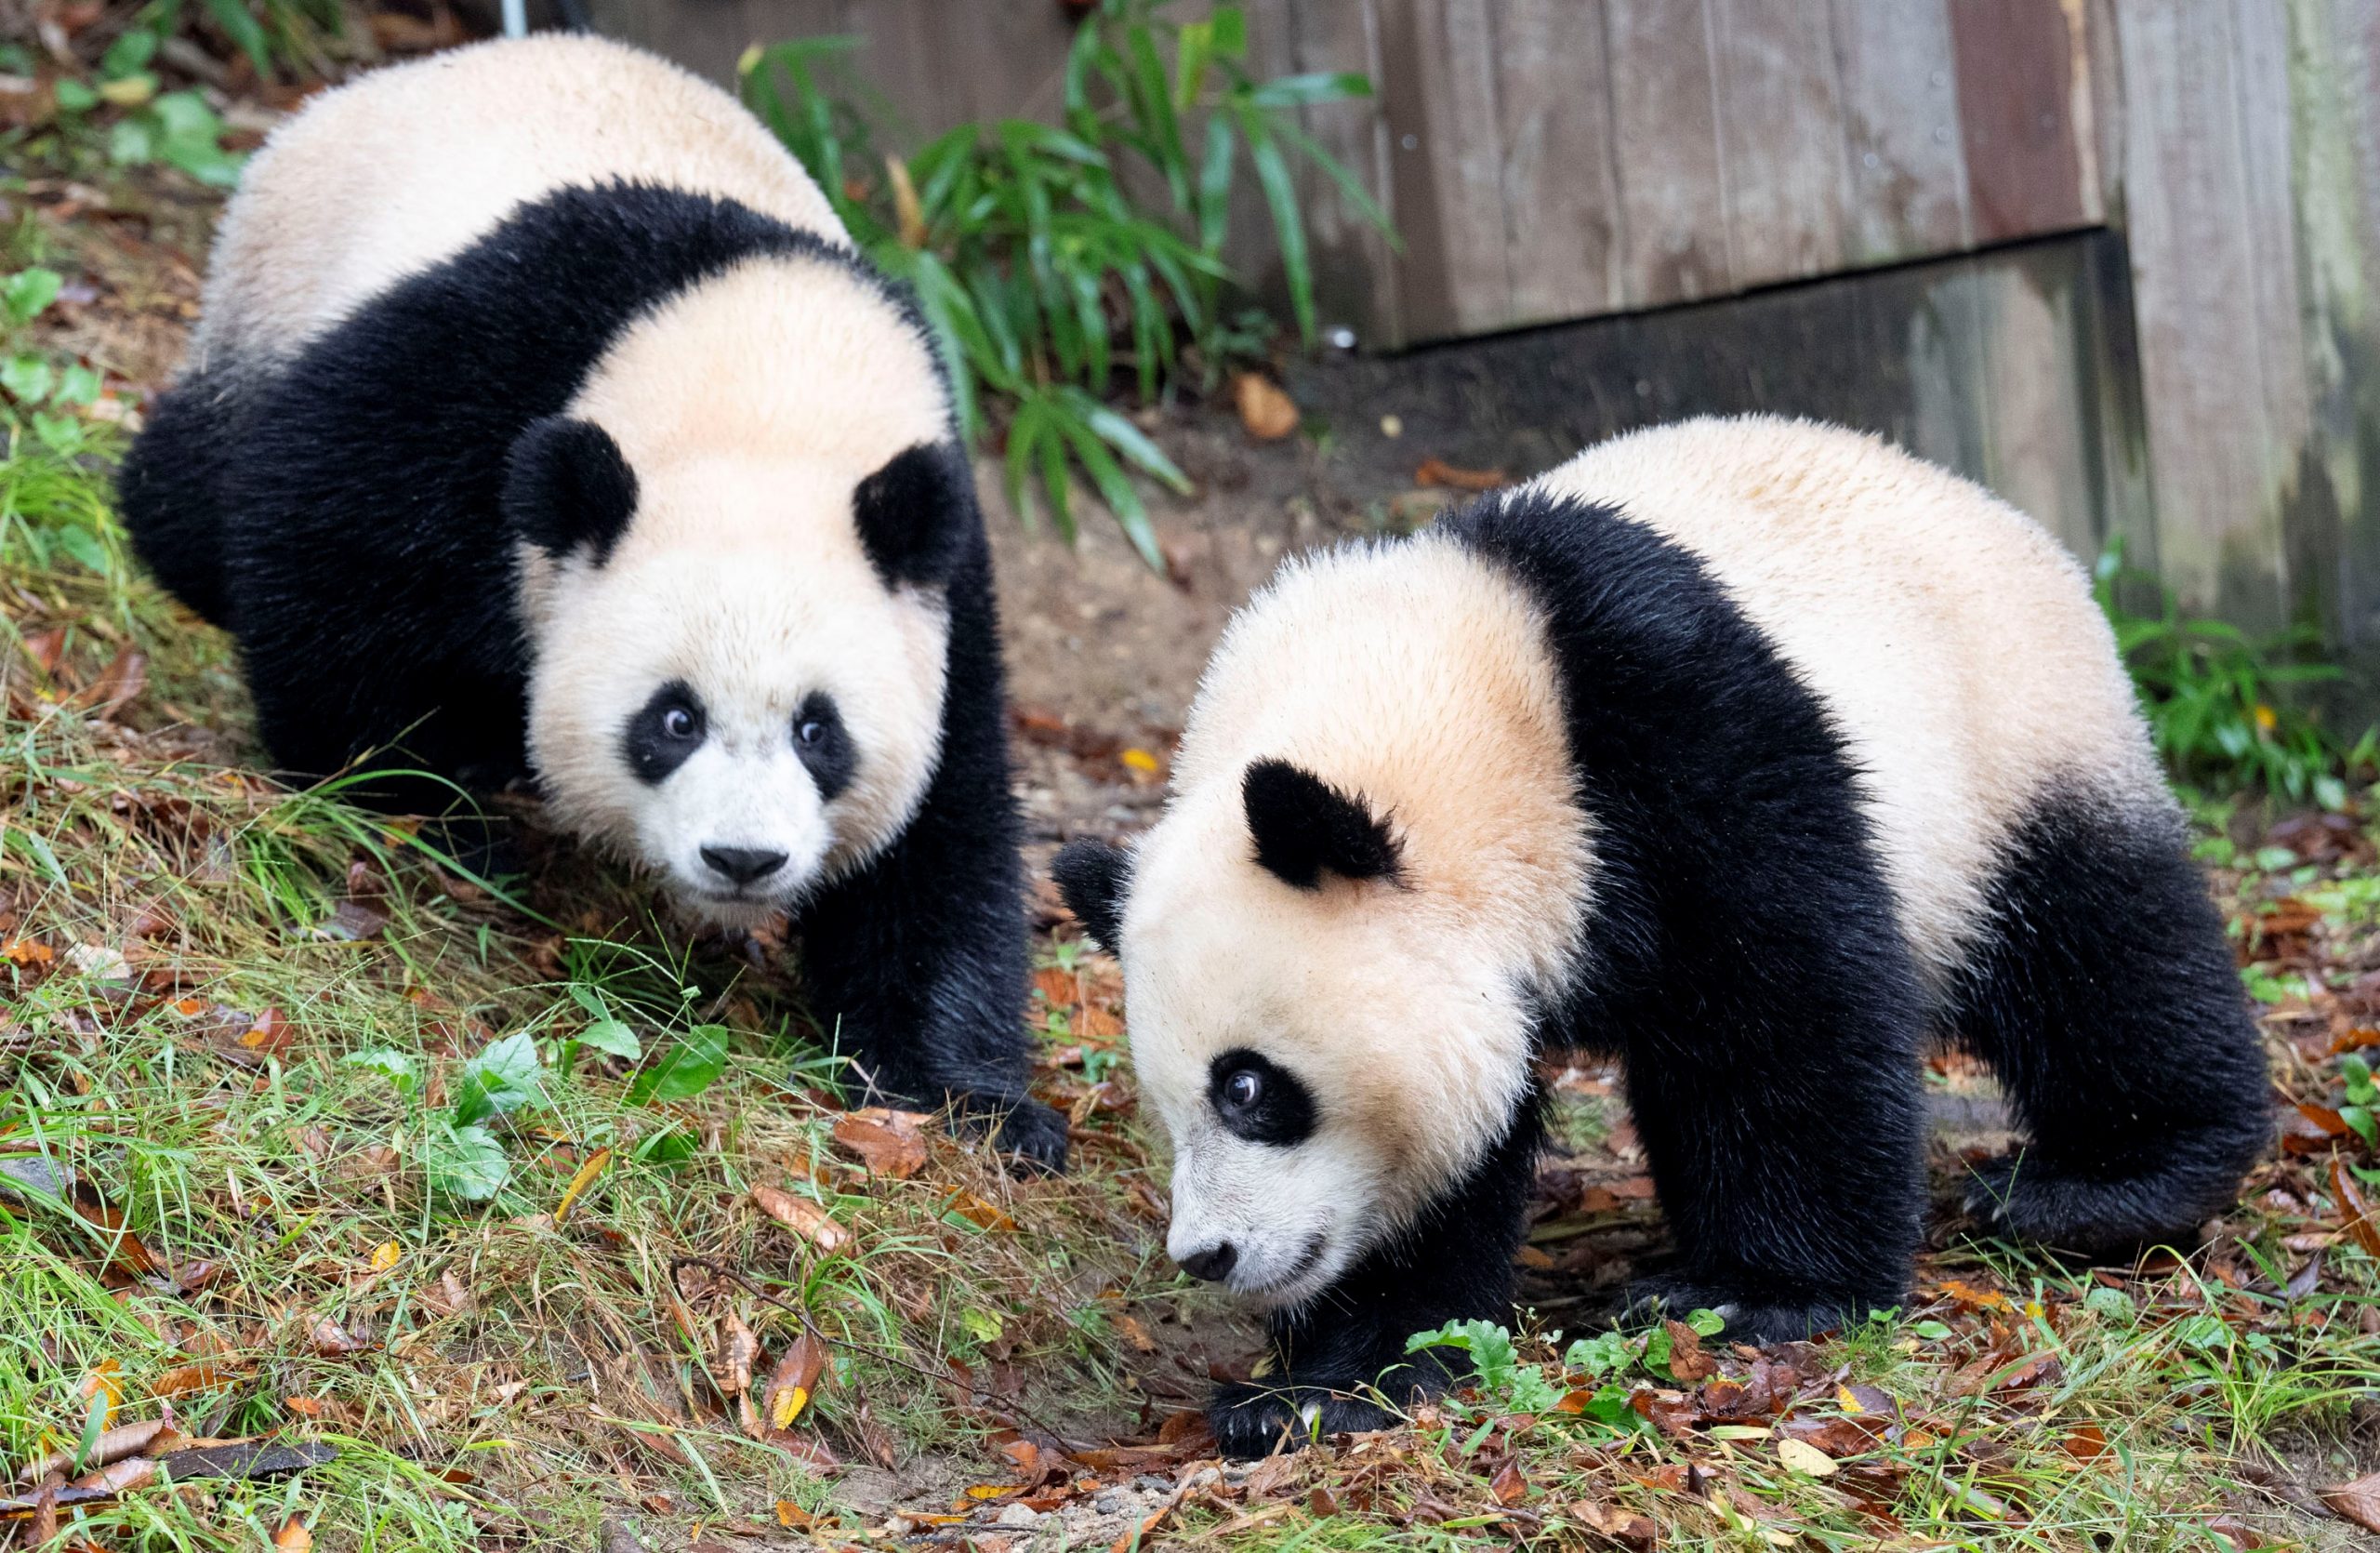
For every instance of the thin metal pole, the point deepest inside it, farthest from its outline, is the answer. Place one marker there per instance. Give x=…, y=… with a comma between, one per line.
x=516, y=18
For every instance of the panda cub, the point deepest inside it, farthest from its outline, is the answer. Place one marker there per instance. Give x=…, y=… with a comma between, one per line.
x=1753, y=751
x=541, y=420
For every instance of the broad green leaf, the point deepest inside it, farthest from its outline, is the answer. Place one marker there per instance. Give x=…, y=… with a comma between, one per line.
x=73, y=97
x=691, y=1066
x=78, y=385
x=613, y=1039
x=401, y=1068
x=27, y=377
x=27, y=292
x=132, y=51
x=500, y=1080
x=466, y=1163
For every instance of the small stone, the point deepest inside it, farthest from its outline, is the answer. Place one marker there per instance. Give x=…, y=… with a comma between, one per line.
x=1018, y=1515
x=1149, y=1482
x=1110, y=1503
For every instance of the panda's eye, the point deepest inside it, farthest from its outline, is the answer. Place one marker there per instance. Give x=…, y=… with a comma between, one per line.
x=1256, y=1098
x=678, y=723
x=811, y=732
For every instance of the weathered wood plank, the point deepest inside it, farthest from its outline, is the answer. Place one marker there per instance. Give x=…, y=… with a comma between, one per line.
x=1781, y=136
x=1672, y=196
x=1900, y=141
x=1355, y=266
x=1439, y=57
x=2016, y=98
x=1561, y=195
x=2203, y=338
x=1900, y=114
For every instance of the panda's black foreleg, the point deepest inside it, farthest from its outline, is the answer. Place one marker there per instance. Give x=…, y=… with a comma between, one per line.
x=916, y=962
x=2105, y=1000
x=1776, y=1096
x=1340, y=1361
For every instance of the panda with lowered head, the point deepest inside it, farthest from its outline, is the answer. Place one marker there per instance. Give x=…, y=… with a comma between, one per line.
x=541, y=420
x=1752, y=750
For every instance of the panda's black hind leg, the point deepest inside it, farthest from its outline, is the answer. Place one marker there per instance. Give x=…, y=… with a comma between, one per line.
x=2105, y=998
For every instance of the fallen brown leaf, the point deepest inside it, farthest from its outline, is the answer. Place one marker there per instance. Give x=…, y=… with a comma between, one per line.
x=802, y=1217
x=1437, y=471
x=738, y=1350
x=2355, y=1217
x=1510, y=1486
x=293, y=1537
x=1624, y=1528
x=1688, y=1362
x=331, y=1340
x=121, y=1477
x=124, y=1439
x=794, y=1381
x=2358, y=1502
x=1268, y=413
x=889, y=1142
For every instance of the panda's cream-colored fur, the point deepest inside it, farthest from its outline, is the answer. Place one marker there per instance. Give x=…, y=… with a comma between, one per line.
x=1416, y=676
x=379, y=178
x=743, y=574
x=1954, y=643
x=1952, y=640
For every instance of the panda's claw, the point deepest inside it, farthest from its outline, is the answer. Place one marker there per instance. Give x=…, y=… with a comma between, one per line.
x=1251, y=1418
x=1027, y=1130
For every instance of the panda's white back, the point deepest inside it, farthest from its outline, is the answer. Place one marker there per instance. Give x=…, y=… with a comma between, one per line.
x=382, y=177
x=1952, y=640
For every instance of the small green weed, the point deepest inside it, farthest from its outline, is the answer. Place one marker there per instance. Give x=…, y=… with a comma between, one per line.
x=2220, y=704
x=1042, y=268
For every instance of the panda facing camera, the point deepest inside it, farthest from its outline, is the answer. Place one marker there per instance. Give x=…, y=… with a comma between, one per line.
x=1755, y=752
x=541, y=421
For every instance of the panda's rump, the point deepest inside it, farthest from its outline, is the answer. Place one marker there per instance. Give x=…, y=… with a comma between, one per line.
x=410, y=165
x=1953, y=643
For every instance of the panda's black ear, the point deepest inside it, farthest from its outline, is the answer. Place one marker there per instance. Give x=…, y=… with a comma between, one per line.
x=915, y=513
x=566, y=485
x=1303, y=825
x=1091, y=876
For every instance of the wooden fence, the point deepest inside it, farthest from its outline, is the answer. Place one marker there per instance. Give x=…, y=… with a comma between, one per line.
x=1552, y=161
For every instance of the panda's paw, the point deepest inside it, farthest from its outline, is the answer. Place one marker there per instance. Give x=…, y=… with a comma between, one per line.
x=2032, y=1200
x=1029, y=1131
x=1749, y=1319
x=1252, y=1418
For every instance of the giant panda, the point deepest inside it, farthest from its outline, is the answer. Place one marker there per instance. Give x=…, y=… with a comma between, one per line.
x=542, y=420
x=1755, y=752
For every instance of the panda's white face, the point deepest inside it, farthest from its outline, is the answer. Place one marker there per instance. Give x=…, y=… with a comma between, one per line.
x=1324, y=1061
x=1373, y=857
x=740, y=712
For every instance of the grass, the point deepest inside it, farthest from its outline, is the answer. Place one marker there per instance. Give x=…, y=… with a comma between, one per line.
x=701, y=1301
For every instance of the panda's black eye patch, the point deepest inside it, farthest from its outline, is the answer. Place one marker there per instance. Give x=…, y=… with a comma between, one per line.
x=824, y=744
x=667, y=729
x=1258, y=1099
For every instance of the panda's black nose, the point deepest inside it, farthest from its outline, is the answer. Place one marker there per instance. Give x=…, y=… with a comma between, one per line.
x=743, y=865
x=1214, y=1263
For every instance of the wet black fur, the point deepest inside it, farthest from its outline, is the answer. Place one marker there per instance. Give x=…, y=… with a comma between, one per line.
x=1743, y=957
x=343, y=514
